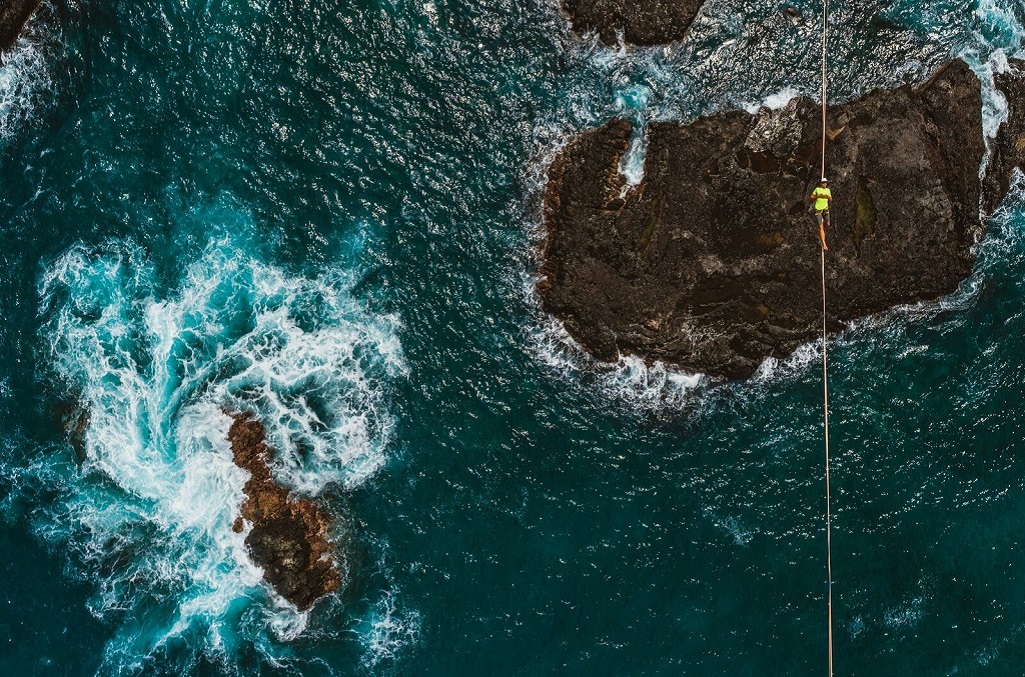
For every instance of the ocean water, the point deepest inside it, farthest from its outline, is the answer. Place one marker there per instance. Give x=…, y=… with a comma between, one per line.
x=327, y=215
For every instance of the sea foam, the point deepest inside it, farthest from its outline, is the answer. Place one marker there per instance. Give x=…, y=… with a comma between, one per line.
x=150, y=512
x=24, y=79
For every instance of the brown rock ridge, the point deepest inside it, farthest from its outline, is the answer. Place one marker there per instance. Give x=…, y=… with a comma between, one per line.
x=712, y=262
x=288, y=538
x=13, y=15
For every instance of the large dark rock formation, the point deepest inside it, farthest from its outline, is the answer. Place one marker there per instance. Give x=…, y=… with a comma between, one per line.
x=288, y=538
x=1008, y=149
x=651, y=22
x=712, y=262
x=13, y=15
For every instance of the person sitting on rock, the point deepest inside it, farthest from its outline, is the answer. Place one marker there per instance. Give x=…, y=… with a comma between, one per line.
x=822, y=197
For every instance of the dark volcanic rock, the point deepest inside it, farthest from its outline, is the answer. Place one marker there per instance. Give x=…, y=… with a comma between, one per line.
x=13, y=15
x=650, y=22
x=712, y=262
x=1008, y=149
x=288, y=539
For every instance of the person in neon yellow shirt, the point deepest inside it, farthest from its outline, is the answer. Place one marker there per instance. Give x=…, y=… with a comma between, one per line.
x=823, y=197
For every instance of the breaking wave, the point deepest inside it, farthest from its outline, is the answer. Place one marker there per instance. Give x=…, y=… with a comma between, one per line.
x=149, y=512
x=25, y=84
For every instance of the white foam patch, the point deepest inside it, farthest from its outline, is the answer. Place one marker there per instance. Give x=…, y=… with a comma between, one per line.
x=997, y=33
x=388, y=630
x=907, y=615
x=998, y=25
x=631, y=102
x=632, y=164
x=790, y=367
x=151, y=511
x=732, y=526
x=776, y=101
x=24, y=77
x=633, y=98
x=630, y=380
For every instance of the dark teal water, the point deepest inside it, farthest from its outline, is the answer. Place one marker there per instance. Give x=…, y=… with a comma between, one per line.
x=327, y=215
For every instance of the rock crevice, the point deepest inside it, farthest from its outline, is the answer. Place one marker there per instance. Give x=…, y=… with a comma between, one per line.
x=1008, y=148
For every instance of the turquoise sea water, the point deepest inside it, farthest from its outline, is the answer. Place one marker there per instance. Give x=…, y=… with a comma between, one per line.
x=327, y=215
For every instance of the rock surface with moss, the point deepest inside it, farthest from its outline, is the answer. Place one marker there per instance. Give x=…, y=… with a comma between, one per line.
x=712, y=262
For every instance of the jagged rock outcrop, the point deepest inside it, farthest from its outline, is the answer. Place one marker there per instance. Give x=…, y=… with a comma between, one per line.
x=652, y=22
x=288, y=538
x=712, y=262
x=13, y=15
x=1008, y=148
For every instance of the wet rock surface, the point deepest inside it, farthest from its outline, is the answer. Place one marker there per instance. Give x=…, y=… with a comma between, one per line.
x=1008, y=149
x=13, y=15
x=72, y=415
x=650, y=22
x=288, y=538
x=712, y=262
x=75, y=423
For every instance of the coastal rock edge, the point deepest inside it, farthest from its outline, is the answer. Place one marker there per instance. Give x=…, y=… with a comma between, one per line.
x=13, y=15
x=711, y=263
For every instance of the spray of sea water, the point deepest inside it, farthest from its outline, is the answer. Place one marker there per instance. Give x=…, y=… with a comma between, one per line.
x=149, y=512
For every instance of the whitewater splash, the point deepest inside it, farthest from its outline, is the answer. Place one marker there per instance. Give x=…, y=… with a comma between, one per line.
x=150, y=511
x=647, y=386
x=25, y=81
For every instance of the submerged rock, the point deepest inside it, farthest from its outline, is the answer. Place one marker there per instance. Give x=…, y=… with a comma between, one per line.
x=13, y=15
x=646, y=23
x=1008, y=149
x=72, y=415
x=712, y=262
x=288, y=538
x=76, y=422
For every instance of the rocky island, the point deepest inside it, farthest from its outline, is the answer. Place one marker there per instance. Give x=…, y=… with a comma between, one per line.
x=288, y=538
x=712, y=262
x=13, y=15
